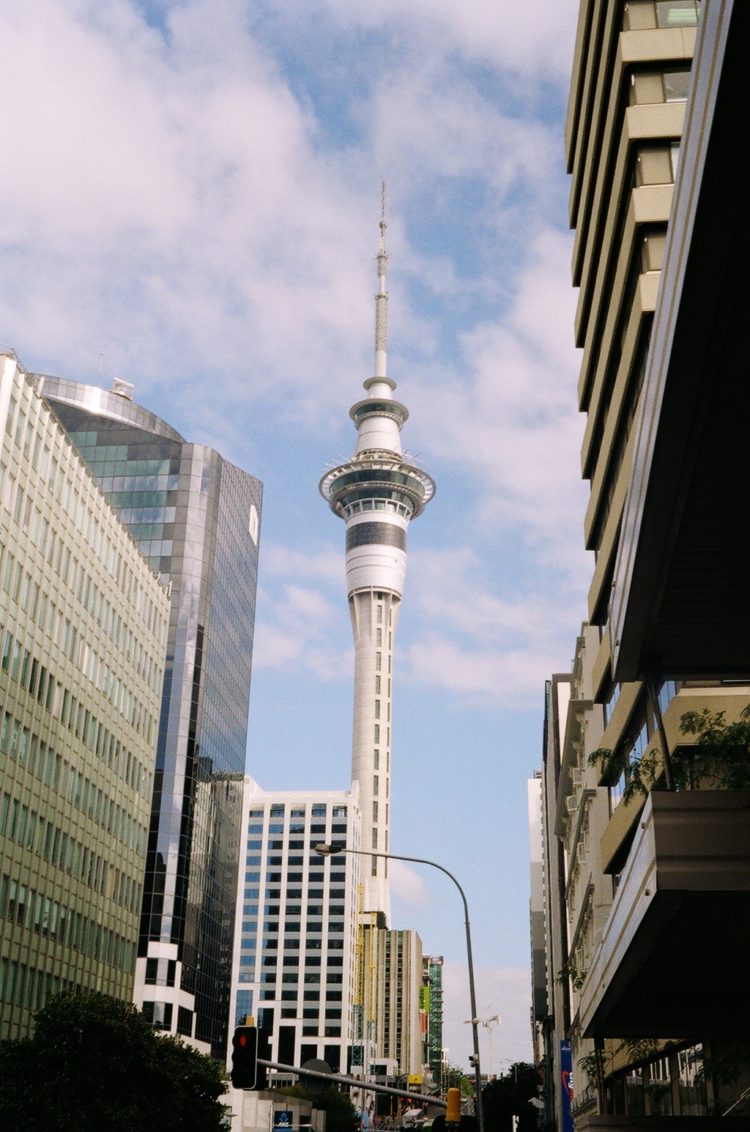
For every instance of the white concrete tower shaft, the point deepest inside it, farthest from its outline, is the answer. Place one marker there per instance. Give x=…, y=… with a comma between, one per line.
x=377, y=493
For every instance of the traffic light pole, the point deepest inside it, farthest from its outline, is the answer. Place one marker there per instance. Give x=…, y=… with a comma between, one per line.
x=357, y=1082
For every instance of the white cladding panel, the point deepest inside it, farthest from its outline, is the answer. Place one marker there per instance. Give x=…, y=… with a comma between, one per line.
x=376, y=567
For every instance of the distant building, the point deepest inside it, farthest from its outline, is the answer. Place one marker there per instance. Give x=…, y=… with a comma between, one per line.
x=296, y=925
x=195, y=517
x=398, y=1023
x=432, y=1010
x=83, y=629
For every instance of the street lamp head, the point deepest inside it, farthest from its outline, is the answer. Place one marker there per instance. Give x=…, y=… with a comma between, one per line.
x=329, y=850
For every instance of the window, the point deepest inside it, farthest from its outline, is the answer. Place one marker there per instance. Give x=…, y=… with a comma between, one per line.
x=677, y=13
x=159, y=1014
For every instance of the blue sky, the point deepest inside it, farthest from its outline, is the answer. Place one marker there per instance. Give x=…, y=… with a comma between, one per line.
x=190, y=201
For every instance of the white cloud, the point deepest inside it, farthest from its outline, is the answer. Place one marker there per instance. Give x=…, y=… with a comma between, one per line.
x=522, y=39
x=408, y=884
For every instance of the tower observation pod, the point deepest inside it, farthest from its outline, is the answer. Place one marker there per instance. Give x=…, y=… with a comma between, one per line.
x=377, y=494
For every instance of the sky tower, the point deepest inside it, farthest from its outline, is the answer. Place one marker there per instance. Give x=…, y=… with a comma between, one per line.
x=377, y=493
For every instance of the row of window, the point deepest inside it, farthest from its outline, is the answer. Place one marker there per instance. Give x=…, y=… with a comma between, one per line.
x=56, y=921
x=672, y=1084
x=27, y=988
x=293, y=909
x=41, y=609
x=77, y=583
x=317, y=810
x=271, y=943
x=276, y=860
x=159, y=1014
x=290, y=960
x=253, y=894
x=252, y=877
x=34, y=833
x=35, y=679
x=32, y=754
x=28, y=438
x=315, y=927
x=294, y=844
x=358, y=505
x=645, y=14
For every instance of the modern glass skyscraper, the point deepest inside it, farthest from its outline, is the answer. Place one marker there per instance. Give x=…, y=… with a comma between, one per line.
x=83, y=630
x=196, y=519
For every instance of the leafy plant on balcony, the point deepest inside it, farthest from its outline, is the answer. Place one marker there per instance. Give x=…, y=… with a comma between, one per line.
x=718, y=758
x=570, y=971
x=600, y=1061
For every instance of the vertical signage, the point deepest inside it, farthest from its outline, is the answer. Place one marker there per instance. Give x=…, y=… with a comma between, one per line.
x=566, y=1086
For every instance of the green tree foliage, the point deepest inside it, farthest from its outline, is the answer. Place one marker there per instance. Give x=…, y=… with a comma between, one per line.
x=511, y=1095
x=718, y=758
x=95, y=1064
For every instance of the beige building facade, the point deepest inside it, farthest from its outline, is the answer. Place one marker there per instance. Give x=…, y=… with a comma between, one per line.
x=647, y=846
x=84, y=626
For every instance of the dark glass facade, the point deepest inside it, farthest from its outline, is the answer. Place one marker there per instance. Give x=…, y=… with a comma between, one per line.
x=196, y=519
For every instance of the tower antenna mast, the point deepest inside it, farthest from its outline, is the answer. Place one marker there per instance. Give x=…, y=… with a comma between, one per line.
x=381, y=299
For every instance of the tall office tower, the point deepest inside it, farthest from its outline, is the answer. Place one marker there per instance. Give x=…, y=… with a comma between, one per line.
x=296, y=923
x=399, y=975
x=653, y=883
x=388, y=1002
x=195, y=517
x=377, y=493
x=83, y=631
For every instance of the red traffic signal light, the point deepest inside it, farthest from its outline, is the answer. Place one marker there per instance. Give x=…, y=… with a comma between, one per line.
x=245, y=1057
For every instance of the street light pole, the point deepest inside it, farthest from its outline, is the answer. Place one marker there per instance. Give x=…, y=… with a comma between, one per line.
x=329, y=850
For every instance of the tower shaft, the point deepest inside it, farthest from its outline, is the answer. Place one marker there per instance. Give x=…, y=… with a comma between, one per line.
x=377, y=493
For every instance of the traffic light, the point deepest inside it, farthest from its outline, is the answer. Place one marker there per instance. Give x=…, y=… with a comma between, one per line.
x=245, y=1057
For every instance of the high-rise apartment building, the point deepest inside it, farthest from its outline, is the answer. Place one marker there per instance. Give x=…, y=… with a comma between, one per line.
x=296, y=924
x=653, y=883
x=398, y=1022
x=377, y=493
x=83, y=631
x=195, y=517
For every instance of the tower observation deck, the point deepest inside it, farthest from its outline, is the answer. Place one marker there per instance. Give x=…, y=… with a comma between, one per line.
x=377, y=494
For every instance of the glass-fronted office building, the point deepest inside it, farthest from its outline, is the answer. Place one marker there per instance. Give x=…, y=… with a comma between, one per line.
x=83, y=632
x=296, y=927
x=196, y=519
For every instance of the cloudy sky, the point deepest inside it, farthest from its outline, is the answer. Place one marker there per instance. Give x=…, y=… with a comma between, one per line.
x=190, y=201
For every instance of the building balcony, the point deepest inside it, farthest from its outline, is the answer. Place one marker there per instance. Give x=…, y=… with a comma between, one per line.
x=593, y=1122
x=672, y=959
